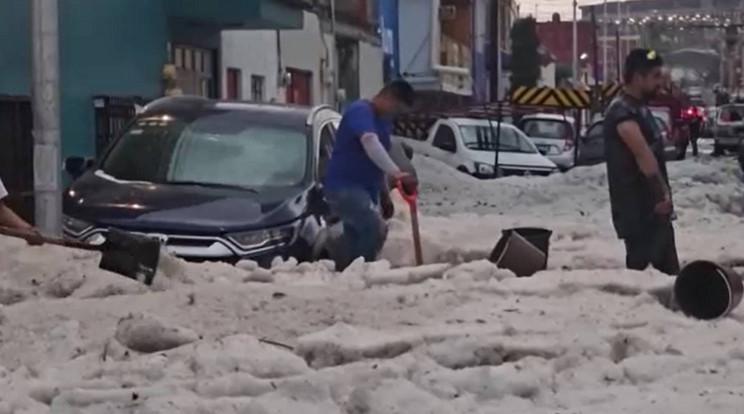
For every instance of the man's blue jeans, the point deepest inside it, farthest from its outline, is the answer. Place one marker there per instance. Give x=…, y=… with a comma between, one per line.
x=364, y=228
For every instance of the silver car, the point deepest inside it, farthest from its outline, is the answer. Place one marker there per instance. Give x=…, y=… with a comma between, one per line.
x=554, y=136
x=728, y=131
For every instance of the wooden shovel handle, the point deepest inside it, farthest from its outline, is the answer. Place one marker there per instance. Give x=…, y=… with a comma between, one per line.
x=30, y=237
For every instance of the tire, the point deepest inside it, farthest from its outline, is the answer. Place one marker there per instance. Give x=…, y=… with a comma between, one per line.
x=463, y=170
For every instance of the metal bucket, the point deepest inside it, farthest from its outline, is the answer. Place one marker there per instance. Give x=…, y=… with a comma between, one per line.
x=524, y=251
x=706, y=290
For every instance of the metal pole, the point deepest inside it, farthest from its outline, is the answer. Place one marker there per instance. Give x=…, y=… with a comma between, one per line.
x=595, y=46
x=46, y=113
x=575, y=59
x=604, y=42
x=499, y=73
x=334, y=55
x=619, y=45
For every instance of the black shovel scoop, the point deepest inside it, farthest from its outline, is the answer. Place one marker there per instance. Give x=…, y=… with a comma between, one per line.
x=124, y=253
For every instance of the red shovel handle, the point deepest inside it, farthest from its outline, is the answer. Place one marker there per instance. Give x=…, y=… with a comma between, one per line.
x=410, y=198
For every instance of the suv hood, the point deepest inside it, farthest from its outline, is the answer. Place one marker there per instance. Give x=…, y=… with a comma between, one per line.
x=139, y=206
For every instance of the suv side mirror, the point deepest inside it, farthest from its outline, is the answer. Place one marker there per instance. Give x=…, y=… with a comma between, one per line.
x=76, y=166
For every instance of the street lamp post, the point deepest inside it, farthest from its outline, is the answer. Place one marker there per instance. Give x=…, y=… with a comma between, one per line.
x=604, y=42
x=575, y=44
x=46, y=115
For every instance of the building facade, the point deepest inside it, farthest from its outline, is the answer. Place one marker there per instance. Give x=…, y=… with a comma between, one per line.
x=452, y=52
x=299, y=67
x=114, y=53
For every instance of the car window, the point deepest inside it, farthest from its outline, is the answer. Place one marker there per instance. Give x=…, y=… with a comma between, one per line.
x=483, y=138
x=732, y=113
x=445, y=139
x=547, y=128
x=327, y=140
x=596, y=131
x=225, y=148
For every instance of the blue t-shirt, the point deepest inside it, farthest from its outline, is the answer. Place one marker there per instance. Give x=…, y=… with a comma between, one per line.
x=350, y=167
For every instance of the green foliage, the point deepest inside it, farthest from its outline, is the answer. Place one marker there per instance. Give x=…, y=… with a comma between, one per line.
x=525, y=62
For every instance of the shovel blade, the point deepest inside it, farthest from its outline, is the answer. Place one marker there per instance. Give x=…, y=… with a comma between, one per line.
x=131, y=255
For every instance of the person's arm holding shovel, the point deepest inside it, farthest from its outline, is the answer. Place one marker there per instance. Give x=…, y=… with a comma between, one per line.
x=377, y=153
x=9, y=219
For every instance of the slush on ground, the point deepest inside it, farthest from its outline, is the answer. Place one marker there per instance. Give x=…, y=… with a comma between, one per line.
x=457, y=335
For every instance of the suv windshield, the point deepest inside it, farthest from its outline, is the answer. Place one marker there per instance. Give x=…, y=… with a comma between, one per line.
x=483, y=138
x=219, y=148
x=547, y=128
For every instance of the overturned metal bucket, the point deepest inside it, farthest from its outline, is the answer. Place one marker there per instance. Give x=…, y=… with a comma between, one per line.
x=706, y=290
x=524, y=251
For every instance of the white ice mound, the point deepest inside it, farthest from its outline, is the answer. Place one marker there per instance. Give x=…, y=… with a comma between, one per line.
x=147, y=334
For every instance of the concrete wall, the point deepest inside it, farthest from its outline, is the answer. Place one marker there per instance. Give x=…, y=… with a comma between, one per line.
x=415, y=40
x=15, y=47
x=303, y=49
x=371, y=61
x=254, y=53
x=101, y=54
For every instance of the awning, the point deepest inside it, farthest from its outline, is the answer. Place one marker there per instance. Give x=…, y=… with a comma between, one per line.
x=237, y=14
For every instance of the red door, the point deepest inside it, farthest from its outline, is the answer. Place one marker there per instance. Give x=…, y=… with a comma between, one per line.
x=299, y=88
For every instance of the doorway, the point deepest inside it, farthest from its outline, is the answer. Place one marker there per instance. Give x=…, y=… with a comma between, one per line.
x=299, y=87
x=17, y=155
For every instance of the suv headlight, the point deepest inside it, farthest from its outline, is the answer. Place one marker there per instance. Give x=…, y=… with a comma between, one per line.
x=74, y=226
x=261, y=238
x=484, y=169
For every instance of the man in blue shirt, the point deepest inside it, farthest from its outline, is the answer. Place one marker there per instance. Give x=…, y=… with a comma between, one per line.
x=356, y=175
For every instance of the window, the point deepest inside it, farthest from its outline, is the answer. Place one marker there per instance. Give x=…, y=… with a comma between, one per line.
x=481, y=138
x=178, y=57
x=194, y=66
x=327, y=140
x=188, y=59
x=445, y=139
x=257, y=88
x=253, y=152
x=597, y=131
x=234, y=87
x=547, y=128
x=732, y=113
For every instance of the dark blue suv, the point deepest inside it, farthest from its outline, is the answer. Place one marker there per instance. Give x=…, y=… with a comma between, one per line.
x=211, y=180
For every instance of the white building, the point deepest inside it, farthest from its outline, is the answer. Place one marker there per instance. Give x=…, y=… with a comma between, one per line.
x=295, y=66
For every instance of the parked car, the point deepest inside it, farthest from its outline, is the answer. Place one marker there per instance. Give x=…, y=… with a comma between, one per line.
x=554, y=135
x=211, y=180
x=591, y=143
x=728, y=131
x=469, y=145
x=709, y=121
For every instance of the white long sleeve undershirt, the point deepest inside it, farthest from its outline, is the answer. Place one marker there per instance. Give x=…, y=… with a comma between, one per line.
x=377, y=153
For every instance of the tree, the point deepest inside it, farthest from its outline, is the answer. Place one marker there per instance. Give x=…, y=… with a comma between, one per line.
x=525, y=62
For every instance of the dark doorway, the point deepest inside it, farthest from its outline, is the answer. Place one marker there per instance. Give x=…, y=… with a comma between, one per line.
x=112, y=114
x=17, y=154
x=348, y=69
